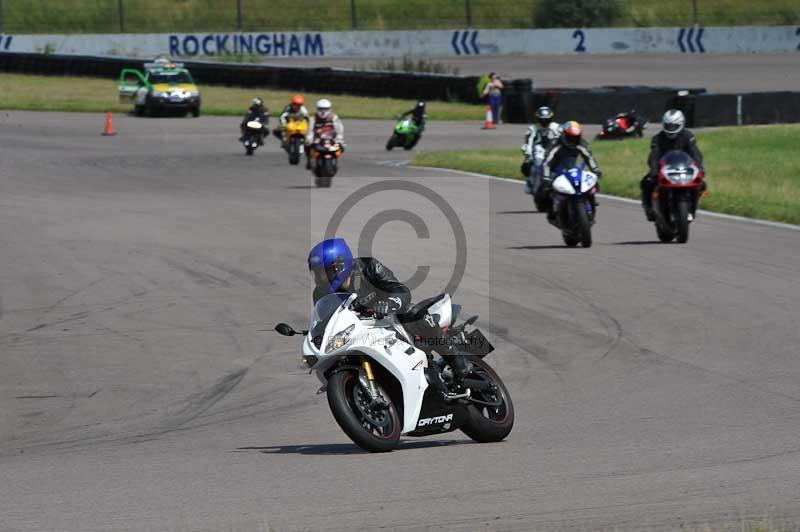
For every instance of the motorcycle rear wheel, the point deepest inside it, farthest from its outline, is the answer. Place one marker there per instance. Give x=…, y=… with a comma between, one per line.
x=489, y=424
x=377, y=430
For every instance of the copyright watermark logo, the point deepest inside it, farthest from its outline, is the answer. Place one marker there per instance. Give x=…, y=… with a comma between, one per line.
x=371, y=226
x=431, y=234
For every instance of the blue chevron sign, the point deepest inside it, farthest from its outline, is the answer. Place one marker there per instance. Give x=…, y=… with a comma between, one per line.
x=687, y=38
x=467, y=41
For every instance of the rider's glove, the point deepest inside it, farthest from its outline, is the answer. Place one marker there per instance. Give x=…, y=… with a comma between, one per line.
x=384, y=307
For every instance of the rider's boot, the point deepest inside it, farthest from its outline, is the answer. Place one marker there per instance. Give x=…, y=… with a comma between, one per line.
x=528, y=188
x=459, y=365
x=435, y=377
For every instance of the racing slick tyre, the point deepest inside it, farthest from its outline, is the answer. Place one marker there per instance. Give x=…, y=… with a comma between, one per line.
x=570, y=240
x=195, y=112
x=489, y=423
x=294, y=152
x=393, y=141
x=585, y=226
x=664, y=235
x=138, y=110
x=682, y=221
x=541, y=204
x=249, y=150
x=373, y=428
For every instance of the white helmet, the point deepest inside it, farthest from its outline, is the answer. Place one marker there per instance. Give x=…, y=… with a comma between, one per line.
x=673, y=122
x=323, y=107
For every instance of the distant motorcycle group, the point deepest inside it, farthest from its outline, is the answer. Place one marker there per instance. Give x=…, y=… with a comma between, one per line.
x=320, y=136
x=562, y=175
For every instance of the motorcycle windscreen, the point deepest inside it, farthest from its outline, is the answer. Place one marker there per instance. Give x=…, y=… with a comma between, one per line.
x=324, y=310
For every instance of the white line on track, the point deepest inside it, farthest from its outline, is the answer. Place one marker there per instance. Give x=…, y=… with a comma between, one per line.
x=766, y=223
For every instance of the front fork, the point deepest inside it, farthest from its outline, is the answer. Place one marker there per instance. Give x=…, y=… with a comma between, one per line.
x=369, y=377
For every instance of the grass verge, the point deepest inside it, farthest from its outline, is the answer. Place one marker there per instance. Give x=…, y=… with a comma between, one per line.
x=753, y=171
x=54, y=93
x=149, y=16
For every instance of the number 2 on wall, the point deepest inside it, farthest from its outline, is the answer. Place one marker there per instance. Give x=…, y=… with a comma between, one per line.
x=578, y=34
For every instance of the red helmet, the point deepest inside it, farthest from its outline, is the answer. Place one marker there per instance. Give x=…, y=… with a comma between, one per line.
x=572, y=132
x=298, y=100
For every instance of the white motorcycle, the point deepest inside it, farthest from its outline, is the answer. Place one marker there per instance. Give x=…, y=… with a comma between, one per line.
x=253, y=136
x=573, y=208
x=378, y=380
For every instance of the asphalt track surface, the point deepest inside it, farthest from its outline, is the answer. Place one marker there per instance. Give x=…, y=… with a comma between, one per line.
x=720, y=73
x=655, y=385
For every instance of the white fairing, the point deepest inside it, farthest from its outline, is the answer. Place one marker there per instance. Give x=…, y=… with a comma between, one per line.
x=588, y=182
x=562, y=184
x=377, y=339
x=255, y=124
x=444, y=309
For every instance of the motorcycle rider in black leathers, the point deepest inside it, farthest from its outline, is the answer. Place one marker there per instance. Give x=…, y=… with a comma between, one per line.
x=257, y=111
x=417, y=114
x=565, y=154
x=673, y=136
x=334, y=269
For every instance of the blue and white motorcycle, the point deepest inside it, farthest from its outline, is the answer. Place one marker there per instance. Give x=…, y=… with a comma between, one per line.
x=573, y=210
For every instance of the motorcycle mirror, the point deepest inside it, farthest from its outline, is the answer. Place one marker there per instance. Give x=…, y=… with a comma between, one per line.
x=472, y=320
x=285, y=329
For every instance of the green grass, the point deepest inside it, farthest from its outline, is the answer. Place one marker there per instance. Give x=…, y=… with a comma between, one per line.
x=146, y=16
x=752, y=171
x=51, y=93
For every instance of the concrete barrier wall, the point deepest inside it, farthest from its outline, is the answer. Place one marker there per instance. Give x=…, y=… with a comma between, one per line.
x=690, y=40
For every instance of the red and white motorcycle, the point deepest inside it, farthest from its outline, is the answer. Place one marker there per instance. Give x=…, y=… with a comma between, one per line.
x=677, y=195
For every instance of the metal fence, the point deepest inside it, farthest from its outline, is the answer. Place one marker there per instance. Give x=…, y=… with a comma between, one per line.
x=160, y=16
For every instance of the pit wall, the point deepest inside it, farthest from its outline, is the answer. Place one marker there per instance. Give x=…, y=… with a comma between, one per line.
x=440, y=43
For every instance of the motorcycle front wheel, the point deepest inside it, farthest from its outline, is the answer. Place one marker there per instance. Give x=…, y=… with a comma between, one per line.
x=682, y=221
x=294, y=151
x=393, y=141
x=584, y=225
x=493, y=420
x=374, y=429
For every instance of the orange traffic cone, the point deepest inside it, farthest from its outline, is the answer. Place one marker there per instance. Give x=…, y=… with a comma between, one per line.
x=487, y=123
x=109, y=130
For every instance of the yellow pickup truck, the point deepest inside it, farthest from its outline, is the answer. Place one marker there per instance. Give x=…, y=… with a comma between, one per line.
x=164, y=86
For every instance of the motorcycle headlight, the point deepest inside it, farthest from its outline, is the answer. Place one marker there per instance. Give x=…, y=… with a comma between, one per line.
x=680, y=177
x=339, y=340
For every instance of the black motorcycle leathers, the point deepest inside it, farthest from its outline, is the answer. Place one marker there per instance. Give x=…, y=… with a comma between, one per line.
x=376, y=286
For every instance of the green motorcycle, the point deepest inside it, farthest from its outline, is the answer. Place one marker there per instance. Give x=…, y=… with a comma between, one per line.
x=406, y=134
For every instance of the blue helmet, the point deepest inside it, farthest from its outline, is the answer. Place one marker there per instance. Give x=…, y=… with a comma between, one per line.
x=330, y=263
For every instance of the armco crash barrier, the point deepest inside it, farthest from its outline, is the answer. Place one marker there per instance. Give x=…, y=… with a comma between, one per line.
x=331, y=80
x=701, y=109
x=591, y=105
x=519, y=101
